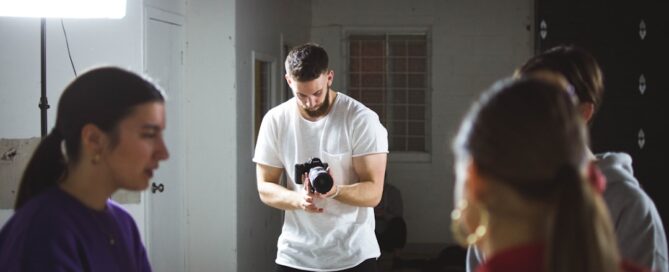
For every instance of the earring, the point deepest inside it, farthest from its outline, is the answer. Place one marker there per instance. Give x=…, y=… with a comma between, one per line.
x=460, y=232
x=96, y=159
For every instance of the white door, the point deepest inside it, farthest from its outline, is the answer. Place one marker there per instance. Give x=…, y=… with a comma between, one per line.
x=166, y=217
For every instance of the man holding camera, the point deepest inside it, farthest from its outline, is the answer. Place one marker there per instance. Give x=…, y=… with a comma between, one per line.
x=323, y=230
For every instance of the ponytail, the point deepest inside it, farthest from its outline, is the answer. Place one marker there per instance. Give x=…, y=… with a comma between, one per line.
x=45, y=168
x=581, y=237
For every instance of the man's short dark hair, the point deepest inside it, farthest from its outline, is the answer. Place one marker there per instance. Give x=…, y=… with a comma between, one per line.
x=306, y=62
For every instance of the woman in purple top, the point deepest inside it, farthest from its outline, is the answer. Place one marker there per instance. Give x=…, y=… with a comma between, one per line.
x=108, y=136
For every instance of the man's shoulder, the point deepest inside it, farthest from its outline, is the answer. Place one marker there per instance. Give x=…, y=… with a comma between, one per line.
x=283, y=108
x=354, y=108
x=281, y=111
x=348, y=101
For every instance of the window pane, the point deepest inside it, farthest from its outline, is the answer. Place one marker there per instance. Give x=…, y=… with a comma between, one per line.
x=354, y=65
x=416, y=113
x=373, y=95
x=399, y=112
x=398, y=143
x=417, y=81
x=372, y=80
x=417, y=64
x=373, y=48
x=355, y=93
x=373, y=65
x=398, y=48
x=416, y=144
x=399, y=128
x=399, y=96
x=416, y=129
x=416, y=96
x=399, y=80
x=354, y=80
x=417, y=48
x=354, y=48
x=398, y=65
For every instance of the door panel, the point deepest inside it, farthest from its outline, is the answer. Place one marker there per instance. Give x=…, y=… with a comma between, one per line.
x=166, y=211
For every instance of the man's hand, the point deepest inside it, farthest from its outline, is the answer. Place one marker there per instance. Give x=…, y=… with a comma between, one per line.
x=307, y=203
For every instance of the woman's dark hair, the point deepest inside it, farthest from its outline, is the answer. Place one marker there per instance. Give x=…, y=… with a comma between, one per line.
x=102, y=97
x=576, y=65
x=527, y=134
x=306, y=62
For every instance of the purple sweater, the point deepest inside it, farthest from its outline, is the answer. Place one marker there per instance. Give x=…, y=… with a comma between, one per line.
x=55, y=232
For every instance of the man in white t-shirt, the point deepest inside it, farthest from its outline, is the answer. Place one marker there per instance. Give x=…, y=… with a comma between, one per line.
x=331, y=231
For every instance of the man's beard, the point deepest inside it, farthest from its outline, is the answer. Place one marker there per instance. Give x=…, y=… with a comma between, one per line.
x=322, y=109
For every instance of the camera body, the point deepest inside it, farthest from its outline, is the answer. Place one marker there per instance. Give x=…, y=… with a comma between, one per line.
x=319, y=179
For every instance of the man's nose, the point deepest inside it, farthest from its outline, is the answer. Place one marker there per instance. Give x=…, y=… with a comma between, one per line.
x=312, y=101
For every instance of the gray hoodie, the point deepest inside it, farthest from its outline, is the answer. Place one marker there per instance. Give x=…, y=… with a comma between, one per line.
x=637, y=224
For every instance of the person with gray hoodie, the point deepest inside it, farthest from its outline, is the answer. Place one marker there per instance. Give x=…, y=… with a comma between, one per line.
x=641, y=236
x=638, y=226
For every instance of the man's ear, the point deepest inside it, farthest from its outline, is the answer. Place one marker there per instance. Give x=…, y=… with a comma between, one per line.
x=587, y=109
x=330, y=77
x=476, y=184
x=93, y=139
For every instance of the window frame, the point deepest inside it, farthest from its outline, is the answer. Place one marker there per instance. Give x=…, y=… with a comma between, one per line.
x=397, y=156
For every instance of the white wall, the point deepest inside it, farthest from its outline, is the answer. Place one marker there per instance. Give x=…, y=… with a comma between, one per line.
x=211, y=115
x=260, y=26
x=474, y=42
x=93, y=42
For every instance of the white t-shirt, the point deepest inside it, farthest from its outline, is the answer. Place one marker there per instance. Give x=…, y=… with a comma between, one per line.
x=343, y=235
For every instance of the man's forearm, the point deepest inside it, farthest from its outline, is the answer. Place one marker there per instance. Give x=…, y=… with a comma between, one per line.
x=277, y=196
x=362, y=194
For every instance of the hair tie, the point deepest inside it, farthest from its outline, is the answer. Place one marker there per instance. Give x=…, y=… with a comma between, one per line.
x=572, y=94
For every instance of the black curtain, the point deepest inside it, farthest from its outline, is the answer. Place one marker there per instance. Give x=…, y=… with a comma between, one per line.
x=630, y=39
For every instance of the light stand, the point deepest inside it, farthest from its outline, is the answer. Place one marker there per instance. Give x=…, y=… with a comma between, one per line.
x=43, y=101
x=112, y=9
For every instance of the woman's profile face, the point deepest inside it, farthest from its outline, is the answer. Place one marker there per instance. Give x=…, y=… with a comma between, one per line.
x=140, y=147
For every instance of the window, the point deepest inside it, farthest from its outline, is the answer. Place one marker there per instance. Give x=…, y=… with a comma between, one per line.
x=389, y=74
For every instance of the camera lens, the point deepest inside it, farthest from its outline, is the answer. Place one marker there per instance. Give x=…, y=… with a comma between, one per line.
x=320, y=180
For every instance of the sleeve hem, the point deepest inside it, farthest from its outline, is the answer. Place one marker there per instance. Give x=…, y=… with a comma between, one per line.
x=370, y=153
x=268, y=164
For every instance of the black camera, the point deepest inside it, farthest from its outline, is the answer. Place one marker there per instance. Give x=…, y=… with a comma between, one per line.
x=319, y=179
